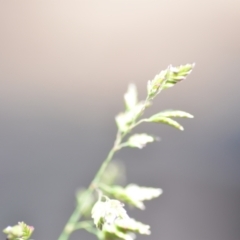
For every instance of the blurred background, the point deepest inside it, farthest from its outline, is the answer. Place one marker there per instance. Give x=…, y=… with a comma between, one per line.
x=64, y=67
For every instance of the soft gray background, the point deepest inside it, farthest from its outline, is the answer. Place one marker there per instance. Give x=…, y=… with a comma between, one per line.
x=64, y=66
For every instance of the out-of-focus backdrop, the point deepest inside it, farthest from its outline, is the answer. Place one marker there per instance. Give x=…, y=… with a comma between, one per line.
x=64, y=67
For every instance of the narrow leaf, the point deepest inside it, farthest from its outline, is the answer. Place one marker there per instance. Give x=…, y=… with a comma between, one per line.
x=156, y=85
x=112, y=232
x=140, y=140
x=143, y=193
x=167, y=121
x=130, y=97
x=132, y=194
x=173, y=113
x=177, y=74
x=132, y=225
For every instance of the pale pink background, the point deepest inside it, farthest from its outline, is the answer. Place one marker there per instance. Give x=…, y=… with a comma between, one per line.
x=64, y=66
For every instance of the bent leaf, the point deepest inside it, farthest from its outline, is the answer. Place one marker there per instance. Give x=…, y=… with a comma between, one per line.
x=165, y=120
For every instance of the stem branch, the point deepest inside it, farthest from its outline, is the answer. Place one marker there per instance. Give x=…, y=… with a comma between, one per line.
x=77, y=213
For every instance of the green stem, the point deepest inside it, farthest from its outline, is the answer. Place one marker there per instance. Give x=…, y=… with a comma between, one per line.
x=104, y=165
x=139, y=122
x=77, y=213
